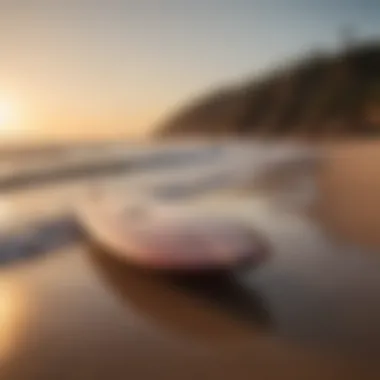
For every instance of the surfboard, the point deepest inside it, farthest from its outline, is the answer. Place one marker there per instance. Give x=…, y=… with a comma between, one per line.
x=170, y=219
x=169, y=237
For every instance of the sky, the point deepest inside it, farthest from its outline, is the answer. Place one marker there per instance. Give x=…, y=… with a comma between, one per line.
x=117, y=68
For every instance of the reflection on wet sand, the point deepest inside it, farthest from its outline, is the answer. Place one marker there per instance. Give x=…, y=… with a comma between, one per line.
x=92, y=318
x=12, y=313
x=311, y=299
x=209, y=307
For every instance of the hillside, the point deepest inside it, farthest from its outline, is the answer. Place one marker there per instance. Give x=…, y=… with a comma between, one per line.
x=325, y=95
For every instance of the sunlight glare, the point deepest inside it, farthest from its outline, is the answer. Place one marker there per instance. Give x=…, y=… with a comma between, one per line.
x=7, y=116
x=10, y=321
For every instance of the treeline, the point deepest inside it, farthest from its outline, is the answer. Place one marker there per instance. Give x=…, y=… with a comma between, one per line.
x=323, y=95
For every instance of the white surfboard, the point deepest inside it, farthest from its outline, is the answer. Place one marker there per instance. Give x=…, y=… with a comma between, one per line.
x=212, y=230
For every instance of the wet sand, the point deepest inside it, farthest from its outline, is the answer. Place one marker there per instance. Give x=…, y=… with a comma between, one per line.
x=77, y=314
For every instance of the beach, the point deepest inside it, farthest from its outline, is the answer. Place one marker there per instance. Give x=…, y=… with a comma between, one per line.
x=74, y=312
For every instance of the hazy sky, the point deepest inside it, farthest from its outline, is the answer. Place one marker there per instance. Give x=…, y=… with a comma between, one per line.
x=76, y=66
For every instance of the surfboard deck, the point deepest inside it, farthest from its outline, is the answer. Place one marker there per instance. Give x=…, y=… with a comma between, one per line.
x=169, y=237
